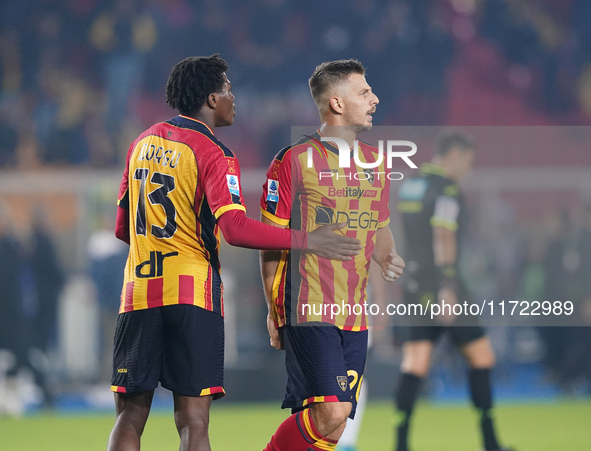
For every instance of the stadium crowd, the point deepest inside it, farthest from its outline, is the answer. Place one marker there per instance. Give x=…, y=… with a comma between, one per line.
x=79, y=78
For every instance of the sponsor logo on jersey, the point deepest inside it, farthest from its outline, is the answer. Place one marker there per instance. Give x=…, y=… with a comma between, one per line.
x=154, y=267
x=272, y=190
x=324, y=215
x=356, y=193
x=342, y=381
x=233, y=186
x=354, y=219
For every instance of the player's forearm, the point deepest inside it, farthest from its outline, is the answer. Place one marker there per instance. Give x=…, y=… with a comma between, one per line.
x=269, y=264
x=122, y=225
x=384, y=245
x=241, y=231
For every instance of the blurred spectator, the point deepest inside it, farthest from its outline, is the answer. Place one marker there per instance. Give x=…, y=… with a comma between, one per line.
x=107, y=257
x=8, y=141
x=41, y=279
x=567, y=266
x=123, y=34
x=11, y=312
x=49, y=280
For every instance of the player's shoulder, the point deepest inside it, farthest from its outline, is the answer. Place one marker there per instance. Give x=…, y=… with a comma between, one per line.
x=444, y=186
x=438, y=181
x=300, y=146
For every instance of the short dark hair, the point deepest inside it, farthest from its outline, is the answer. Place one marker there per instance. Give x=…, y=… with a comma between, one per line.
x=450, y=139
x=327, y=74
x=192, y=80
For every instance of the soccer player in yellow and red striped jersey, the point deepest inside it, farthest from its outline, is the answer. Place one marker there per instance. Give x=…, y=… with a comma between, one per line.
x=181, y=185
x=325, y=346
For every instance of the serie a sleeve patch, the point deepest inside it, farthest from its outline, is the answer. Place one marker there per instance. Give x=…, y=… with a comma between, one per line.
x=272, y=190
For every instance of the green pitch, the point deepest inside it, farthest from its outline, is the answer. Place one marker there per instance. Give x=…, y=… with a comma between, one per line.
x=564, y=426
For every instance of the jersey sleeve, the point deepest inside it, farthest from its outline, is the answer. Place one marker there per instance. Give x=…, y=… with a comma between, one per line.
x=384, y=207
x=220, y=176
x=122, y=221
x=276, y=199
x=123, y=196
x=447, y=209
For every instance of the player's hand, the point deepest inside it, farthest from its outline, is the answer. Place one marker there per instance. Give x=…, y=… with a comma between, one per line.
x=324, y=242
x=392, y=267
x=450, y=297
x=274, y=337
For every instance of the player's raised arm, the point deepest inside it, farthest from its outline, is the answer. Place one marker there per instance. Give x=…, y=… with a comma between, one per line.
x=240, y=230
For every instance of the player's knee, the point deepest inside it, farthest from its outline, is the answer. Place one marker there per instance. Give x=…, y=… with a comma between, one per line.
x=416, y=358
x=416, y=367
x=195, y=424
x=481, y=358
x=329, y=416
x=482, y=361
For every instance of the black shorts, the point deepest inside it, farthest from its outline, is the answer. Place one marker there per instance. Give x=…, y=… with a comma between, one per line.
x=324, y=364
x=180, y=346
x=463, y=330
x=460, y=335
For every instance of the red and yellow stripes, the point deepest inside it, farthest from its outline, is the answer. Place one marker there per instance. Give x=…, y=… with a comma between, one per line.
x=213, y=391
x=319, y=442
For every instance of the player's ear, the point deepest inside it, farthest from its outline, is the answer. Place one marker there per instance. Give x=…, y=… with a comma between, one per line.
x=212, y=100
x=335, y=104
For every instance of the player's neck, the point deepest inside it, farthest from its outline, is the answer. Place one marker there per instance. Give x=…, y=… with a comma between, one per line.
x=338, y=131
x=206, y=117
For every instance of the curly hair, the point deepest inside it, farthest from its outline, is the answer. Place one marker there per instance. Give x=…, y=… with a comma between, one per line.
x=192, y=80
x=327, y=74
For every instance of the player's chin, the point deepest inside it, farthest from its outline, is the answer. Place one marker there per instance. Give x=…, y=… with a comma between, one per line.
x=363, y=127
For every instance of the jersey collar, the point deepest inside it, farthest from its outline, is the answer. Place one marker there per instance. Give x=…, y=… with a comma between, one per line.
x=196, y=120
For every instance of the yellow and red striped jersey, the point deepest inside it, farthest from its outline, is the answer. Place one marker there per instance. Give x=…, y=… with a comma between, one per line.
x=178, y=180
x=304, y=198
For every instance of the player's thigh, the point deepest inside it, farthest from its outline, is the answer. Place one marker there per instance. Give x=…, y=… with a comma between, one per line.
x=193, y=360
x=416, y=356
x=134, y=408
x=479, y=352
x=354, y=346
x=315, y=364
x=137, y=351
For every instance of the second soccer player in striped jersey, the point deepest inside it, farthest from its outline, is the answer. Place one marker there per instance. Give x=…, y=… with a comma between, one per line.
x=317, y=307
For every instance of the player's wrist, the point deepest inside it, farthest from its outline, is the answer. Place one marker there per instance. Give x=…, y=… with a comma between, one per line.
x=299, y=240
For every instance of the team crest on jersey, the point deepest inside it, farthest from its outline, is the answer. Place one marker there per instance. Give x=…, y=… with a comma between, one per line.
x=272, y=190
x=275, y=170
x=231, y=167
x=233, y=184
x=370, y=175
x=342, y=381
